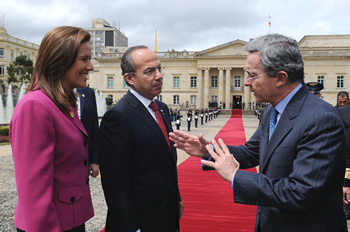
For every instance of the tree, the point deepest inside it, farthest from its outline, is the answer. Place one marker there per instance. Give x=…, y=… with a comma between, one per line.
x=109, y=102
x=21, y=69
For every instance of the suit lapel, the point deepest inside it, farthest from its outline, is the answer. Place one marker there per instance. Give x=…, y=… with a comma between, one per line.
x=283, y=127
x=73, y=117
x=144, y=115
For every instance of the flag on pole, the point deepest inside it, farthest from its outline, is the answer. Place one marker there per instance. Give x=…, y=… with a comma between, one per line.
x=155, y=43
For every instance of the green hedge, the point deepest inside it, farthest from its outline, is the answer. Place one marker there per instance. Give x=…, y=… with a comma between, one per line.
x=4, y=131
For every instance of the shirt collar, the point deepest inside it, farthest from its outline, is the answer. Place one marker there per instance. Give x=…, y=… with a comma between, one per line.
x=141, y=98
x=283, y=104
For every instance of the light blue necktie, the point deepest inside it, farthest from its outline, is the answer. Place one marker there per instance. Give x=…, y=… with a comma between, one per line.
x=273, y=120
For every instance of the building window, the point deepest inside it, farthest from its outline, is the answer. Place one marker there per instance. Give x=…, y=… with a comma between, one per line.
x=193, y=100
x=176, y=82
x=193, y=82
x=320, y=79
x=109, y=82
x=214, y=98
x=11, y=55
x=340, y=82
x=124, y=84
x=1, y=53
x=2, y=70
x=159, y=97
x=237, y=81
x=176, y=100
x=214, y=81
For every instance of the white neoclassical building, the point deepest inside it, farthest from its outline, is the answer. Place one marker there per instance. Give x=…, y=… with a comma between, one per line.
x=217, y=74
x=10, y=48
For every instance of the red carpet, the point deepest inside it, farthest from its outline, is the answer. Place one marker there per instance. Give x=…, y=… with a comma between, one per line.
x=208, y=199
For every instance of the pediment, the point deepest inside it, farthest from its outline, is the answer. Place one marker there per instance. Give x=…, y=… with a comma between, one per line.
x=234, y=48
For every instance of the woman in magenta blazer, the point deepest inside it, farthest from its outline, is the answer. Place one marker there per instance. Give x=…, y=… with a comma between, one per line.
x=49, y=143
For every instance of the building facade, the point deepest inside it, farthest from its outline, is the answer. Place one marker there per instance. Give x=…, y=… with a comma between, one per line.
x=104, y=35
x=215, y=76
x=10, y=48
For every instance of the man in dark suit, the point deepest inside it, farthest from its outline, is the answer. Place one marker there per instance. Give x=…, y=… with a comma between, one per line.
x=299, y=147
x=87, y=110
x=137, y=160
x=344, y=112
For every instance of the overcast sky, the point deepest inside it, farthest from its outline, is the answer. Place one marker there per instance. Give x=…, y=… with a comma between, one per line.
x=193, y=25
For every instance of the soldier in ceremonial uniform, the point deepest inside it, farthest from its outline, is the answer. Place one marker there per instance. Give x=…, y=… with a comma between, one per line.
x=315, y=88
x=189, y=120
x=206, y=115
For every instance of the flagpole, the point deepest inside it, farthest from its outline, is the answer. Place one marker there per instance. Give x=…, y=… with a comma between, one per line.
x=155, y=43
x=269, y=22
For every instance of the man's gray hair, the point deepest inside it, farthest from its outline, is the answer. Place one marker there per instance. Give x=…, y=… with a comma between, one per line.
x=279, y=53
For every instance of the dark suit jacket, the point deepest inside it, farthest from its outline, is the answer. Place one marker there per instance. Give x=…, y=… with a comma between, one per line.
x=299, y=187
x=138, y=170
x=345, y=115
x=89, y=118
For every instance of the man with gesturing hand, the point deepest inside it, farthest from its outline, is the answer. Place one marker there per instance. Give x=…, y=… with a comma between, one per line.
x=299, y=146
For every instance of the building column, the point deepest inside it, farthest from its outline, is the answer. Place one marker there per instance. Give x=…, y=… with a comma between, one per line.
x=200, y=88
x=247, y=95
x=206, y=87
x=221, y=85
x=228, y=88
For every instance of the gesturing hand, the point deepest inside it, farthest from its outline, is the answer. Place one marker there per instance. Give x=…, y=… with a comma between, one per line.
x=225, y=164
x=191, y=144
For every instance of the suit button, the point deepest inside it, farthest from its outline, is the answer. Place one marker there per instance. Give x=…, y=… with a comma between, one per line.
x=85, y=162
x=72, y=199
x=87, y=180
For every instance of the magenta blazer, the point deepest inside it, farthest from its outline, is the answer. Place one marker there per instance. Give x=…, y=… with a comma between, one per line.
x=50, y=155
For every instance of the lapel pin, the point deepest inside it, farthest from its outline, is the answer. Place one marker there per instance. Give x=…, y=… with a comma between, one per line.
x=71, y=114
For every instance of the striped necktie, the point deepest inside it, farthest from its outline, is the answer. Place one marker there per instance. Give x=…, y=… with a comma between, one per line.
x=273, y=120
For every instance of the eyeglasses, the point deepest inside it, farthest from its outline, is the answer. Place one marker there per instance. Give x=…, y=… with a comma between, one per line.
x=151, y=71
x=250, y=78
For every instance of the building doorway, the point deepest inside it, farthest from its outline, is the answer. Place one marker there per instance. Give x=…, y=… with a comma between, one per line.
x=237, y=102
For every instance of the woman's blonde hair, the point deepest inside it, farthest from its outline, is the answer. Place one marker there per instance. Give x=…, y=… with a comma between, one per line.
x=57, y=53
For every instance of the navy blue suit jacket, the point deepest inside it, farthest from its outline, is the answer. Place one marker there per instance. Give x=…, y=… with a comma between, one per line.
x=138, y=169
x=301, y=169
x=89, y=118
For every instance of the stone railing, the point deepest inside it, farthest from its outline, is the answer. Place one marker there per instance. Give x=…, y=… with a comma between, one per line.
x=24, y=42
x=109, y=56
x=184, y=54
x=308, y=52
x=233, y=88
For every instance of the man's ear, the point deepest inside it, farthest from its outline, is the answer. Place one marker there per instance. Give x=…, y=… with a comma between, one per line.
x=129, y=79
x=282, y=78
